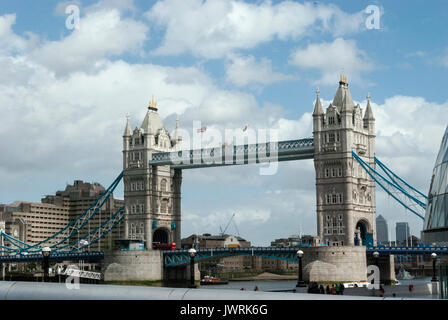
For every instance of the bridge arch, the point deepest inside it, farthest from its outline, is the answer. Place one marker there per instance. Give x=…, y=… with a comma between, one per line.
x=161, y=235
x=363, y=233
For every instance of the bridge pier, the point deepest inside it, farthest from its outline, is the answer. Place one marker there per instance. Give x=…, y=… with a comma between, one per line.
x=335, y=264
x=387, y=267
x=182, y=272
x=133, y=265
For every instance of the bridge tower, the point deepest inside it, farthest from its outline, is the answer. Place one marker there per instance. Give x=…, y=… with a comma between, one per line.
x=345, y=194
x=152, y=194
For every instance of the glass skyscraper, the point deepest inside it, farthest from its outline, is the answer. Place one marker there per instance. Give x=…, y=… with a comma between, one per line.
x=382, y=235
x=402, y=232
x=436, y=218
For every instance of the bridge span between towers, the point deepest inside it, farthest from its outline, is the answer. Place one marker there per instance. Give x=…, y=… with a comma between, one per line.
x=300, y=149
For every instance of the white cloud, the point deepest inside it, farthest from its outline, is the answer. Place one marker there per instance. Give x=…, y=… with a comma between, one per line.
x=102, y=34
x=213, y=29
x=11, y=43
x=243, y=71
x=330, y=58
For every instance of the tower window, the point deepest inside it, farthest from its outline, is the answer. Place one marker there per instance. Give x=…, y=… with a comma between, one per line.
x=339, y=172
x=327, y=172
x=163, y=185
x=335, y=199
x=331, y=137
x=331, y=120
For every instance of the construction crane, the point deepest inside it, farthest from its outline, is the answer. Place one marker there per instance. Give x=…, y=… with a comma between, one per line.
x=227, y=226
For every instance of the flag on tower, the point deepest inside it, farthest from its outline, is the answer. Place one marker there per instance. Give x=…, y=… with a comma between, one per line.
x=203, y=129
x=245, y=128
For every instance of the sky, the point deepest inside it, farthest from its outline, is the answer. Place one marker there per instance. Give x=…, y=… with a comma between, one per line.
x=66, y=85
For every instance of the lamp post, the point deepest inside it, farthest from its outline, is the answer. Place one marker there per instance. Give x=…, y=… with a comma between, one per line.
x=300, y=282
x=434, y=258
x=46, y=264
x=192, y=253
x=376, y=255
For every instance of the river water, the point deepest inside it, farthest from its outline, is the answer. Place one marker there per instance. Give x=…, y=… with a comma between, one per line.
x=263, y=285
x=289, y=285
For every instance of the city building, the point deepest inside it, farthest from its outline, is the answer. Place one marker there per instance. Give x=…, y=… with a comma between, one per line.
x=77, y=198
x=227, y=264
x=435, y=229
x=382, y=234
x=402, y=232
x=33, y=222
x=292, y=241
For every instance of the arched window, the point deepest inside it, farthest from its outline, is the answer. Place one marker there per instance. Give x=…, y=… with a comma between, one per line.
x=163, y=185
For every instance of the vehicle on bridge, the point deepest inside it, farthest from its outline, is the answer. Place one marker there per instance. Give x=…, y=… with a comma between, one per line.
x=164, y=246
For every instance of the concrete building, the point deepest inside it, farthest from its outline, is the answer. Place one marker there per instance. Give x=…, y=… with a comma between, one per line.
x=77, y=198
x=227, y=264
x=345, y=194
x=152, y=193
x=402, y=232
x=382, y=234
x=33, y=222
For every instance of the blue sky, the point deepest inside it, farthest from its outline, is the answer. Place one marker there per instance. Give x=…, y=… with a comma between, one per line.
x=64, y=94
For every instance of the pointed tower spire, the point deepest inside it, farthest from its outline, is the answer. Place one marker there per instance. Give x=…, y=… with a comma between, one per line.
x=318, y=106
x=369, y=114
x=127, y=129
x=343, y=79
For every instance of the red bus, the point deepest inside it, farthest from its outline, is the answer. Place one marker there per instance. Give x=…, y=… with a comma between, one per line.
x=164, y=246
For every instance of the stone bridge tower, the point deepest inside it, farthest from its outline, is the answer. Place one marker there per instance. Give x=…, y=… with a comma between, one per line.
x=152, y=193
x=345, y=194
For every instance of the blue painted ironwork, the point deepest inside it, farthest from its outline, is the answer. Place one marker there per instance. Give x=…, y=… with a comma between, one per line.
x=70, y=230
x=55, y=256
x=236, y=155
x=387, y=170
x=407, y=250
x=179, y=257
x=378, y=178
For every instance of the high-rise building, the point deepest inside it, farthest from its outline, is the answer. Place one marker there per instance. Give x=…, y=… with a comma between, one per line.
x=382, y=234
x=436, y=218
x=33, y=222
x=402, y=232
x=345, y=193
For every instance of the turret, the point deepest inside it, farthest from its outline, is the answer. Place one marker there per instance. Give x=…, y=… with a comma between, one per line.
x=369, y=120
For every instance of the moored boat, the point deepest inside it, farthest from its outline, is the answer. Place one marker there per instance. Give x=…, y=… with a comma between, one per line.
x=207, y=280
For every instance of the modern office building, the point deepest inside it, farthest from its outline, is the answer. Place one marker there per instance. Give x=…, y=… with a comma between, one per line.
x=435, y=229
x=33, y=222
x=382, y=234
x=402, y=232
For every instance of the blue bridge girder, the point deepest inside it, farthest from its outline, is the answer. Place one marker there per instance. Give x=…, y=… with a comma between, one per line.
x=407, y=250
x=56, y=256
x=179, y=257
x=235, y=155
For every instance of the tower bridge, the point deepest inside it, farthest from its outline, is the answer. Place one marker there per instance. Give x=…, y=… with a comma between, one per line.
x=153, y=163
x=343, y=150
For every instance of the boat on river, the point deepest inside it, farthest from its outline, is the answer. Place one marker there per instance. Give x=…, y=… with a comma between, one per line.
x=208, y=280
